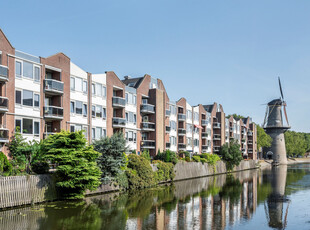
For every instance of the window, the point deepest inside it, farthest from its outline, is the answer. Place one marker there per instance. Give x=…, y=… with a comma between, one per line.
x=93, y=111
x=18, y=124
x=104, y=133
x=84, y=86
x=85, y=131
x=134, y=99
x=93, y=133
x=84, y=110
x=93, y=89
x=18, y=97
x=36, y=128
x=27, y=126
x=36, y=73
x=134, y=137
x=126, y=97
x=78, y=107
x=104, y=91
x=98, y=132
x=27, y=97
x=72, y=107
x=130, y=136
x=99, y=111
x=135, y=118
x=72, y=83
x=78, y=127
x=72, y=128
x=98, y=89
x=36, y=100
x=127, y=117
x=27, y=70
x=78, y=84
x=104, y=113
x=18, y=69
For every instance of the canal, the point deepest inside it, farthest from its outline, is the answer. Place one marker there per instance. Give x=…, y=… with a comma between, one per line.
x=254, y=199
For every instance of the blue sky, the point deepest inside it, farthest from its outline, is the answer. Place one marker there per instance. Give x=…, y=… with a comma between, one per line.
x=230, y=52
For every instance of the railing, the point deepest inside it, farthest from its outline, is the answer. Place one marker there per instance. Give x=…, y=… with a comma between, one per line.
x=204, y=122
x=204, y=147
x=4, y=103
x=182, y=117
x=118, y=122
x=250, y=142
x=168, y=112
x=53, y=112
x=217, y=125
x=4, y=135
x=148, y=144
x=250, y=133
x=216, y=137
x=182, y=146
x=148, y=126
x=4, y=73
x=168, y=129
x=53, y=85
x=147, y=108
x=181, y=131
x=118, y=102
x=204, y=135
x=216, y=149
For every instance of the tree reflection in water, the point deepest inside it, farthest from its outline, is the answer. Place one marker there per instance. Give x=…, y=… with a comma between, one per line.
x=217, y=202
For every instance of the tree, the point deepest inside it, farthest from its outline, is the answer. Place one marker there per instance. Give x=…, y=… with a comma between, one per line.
x=5, y=165
x=263, y=139
x=295, y=143
x=112, y=158
x=77, y=169
x=235, y=116
x=231, y=155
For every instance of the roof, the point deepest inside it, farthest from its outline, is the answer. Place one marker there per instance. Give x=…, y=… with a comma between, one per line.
x=275, y=102
x=208, y=108
x=133, y=82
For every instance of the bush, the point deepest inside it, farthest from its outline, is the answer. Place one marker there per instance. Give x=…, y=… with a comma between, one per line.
x=112, y=158
x=196, y=158
x=139, y=172
x=211, y=159
x=203, y=160
x=167, y=156
x=5, y=165
x=122, y=180
x=77, y=169
x=165, y=171
x=231, y=154
x=146, y=155
x=187, y=159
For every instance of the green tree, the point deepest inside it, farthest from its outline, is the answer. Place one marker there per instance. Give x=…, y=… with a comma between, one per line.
x=235, y=116
x=263, y=139
x=5, y=165
x=112, y=158
x=77, y=169
x=231, y=154
x=295, y=143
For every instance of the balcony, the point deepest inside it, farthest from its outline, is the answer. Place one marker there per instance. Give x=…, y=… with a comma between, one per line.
x=182, y=132
x=168, y=113
x=216, y=137
x=181, y=117
x=216, y=125
x=231, y=129
x=168, y=145
x=4, y=135
x=168, y=129
x=147, y=144
x=204, y=147
x=53, y=112
x=204, y=134
x=204, y=122
x=250, y=150
x=53, y=86
x=118, y=102
x=4, y=73
x=243, y=140
x=147, y=109
x=250, y=134
x=118, y=122
x=216, y=149
x=147, y=126
x=243, y=131
x=182, y=147
x=250, y=142
x=4, y=104
x=243, y=150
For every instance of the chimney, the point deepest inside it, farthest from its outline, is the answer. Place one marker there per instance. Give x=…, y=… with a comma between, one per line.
x=127, y=77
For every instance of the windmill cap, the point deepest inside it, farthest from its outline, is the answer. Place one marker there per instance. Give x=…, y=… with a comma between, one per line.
x=276, y=102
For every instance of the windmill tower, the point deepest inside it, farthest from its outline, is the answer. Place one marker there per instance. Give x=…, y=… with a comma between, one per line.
x=273, y=125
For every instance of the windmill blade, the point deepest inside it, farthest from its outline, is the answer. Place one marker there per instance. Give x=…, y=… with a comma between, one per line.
x=265, y=117
x=284, y=108
x=280, y=88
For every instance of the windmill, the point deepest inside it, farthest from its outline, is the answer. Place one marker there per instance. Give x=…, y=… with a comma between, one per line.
x=275, y=128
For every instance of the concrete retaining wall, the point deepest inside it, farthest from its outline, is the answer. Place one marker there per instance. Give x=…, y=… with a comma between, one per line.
x=25, y=190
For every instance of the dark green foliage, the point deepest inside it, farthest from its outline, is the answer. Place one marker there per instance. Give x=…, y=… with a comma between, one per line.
x=296, y=144
x=232, y=189
x=231, y=154
x=139, y=172
x=146, y=155
x=77, y=169
x=165, y=171
x=235, y=116
x=203, y=160
x=38, y=162
x=167, y=156
x=122, y=180
x=5, y=165
x=187, y=159
x=196, y=158
x=211, y=159
x=263, y=139
x=112, y=159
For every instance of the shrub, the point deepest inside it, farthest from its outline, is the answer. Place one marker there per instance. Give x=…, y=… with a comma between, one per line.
x=146, y=155
x=231, y=154
x=5, y=165
x=167, y=156
x=211, y=159
x=187, y=159
x=77, y=169
x=112, y=157
x=203, y=160
x=196, y=158
x=165, y=171
x=139, y=172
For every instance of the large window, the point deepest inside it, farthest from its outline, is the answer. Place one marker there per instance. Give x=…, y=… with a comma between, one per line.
x=28, y=69
x=131, y=98
x=27, y=126
x=72, y=107
x=78, y=107
x=93, y=111
x=98, y=111
x=18, y=97
x=36, y=128
x=98, y=90
x=18, y=69
x=84, y=110
x=27, y=97
x=37, y=100
x=72, y=83
x=78, y=84
x=36, y=73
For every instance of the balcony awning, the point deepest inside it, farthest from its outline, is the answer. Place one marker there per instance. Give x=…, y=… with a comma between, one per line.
x=198, y=126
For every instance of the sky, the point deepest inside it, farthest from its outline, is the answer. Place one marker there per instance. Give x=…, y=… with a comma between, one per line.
x=229, y=52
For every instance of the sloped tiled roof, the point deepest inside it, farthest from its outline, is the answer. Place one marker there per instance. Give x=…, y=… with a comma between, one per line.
x=133, y=82
x=208, y=108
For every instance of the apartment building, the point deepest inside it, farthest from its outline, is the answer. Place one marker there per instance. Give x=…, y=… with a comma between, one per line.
x=42, y=96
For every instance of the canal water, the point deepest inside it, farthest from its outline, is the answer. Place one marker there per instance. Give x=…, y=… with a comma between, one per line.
x=255, y=199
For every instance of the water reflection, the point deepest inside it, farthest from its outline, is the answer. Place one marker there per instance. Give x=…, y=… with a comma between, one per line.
x=207, y=203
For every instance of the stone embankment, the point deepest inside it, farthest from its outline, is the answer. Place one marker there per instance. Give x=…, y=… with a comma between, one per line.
x=26, y=190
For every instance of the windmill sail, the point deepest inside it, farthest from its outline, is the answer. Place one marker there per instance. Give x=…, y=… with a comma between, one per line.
x=280, y=88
